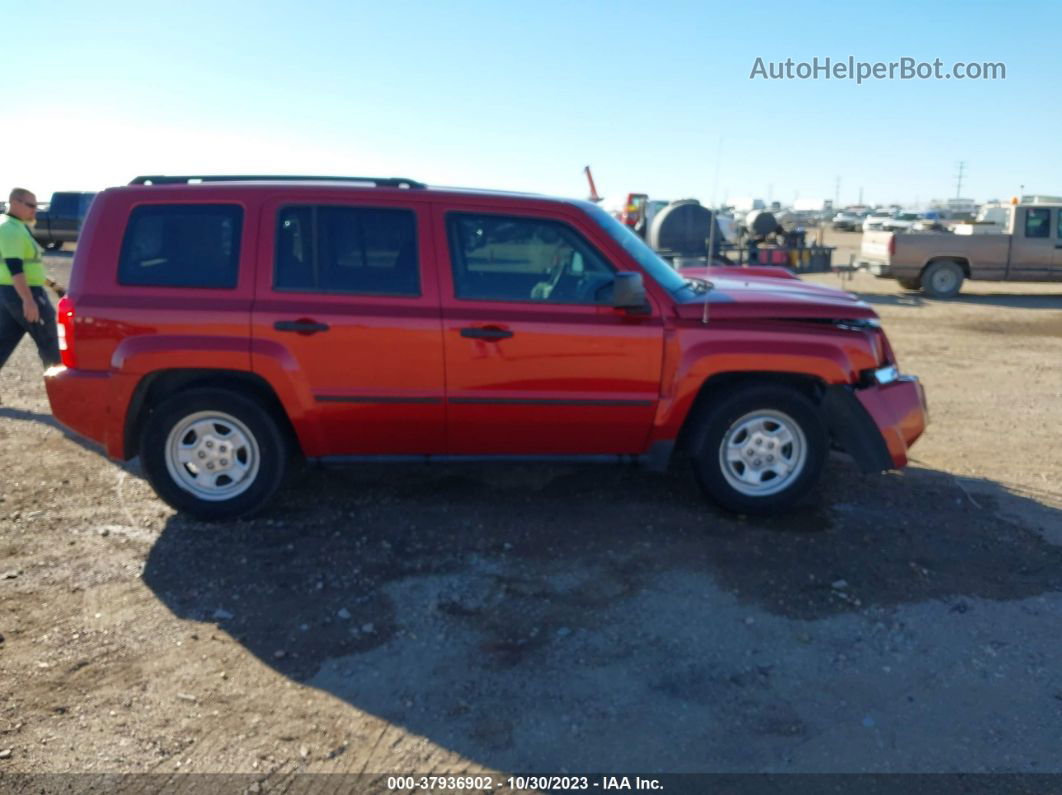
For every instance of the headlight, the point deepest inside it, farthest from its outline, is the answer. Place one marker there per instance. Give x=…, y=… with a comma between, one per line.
x=883, y=375
x=858, y=324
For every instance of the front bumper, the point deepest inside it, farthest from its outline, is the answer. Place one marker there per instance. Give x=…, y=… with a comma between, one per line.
x=899, y=411
x=877, y=424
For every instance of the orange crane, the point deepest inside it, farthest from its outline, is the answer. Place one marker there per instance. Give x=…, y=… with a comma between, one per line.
x=593, y=190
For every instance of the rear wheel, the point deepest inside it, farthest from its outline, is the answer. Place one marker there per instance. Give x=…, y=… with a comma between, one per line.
x=942, y=279
x=213, y=454
x=759, y=449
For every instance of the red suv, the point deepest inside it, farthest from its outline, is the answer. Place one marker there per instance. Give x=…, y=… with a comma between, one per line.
x=217, y=326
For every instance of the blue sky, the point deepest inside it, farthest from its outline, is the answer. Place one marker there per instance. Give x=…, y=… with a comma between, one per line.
x=655, y=97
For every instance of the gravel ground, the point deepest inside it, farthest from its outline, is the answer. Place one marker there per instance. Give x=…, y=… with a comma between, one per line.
x=399, y=619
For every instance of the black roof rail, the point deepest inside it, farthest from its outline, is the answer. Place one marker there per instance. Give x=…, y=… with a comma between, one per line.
x=380, y=182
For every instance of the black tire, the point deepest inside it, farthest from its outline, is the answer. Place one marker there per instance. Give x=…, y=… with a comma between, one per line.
x=910, y=284
x=942, y=279
x=55, y=245
x=241, y=423
x=716, y=426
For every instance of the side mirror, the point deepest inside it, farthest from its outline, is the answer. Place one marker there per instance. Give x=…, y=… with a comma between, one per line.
x=628, y=292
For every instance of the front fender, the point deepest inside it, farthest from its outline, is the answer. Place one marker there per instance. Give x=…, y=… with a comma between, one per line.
x=736, y=352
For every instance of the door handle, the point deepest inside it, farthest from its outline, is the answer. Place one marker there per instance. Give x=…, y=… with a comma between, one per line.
x=300, y=326
x=491, y=333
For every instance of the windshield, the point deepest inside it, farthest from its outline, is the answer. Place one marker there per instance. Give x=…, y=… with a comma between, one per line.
x=662, y=273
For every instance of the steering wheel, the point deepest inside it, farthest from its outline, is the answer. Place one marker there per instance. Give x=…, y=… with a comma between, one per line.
x=543, y=290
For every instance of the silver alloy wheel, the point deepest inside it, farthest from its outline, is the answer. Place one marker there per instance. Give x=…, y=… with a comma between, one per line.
x=212, y=455
x=943, y=280
x=763, y=452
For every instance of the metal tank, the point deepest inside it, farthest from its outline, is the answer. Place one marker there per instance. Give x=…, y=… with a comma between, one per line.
x=683, y=228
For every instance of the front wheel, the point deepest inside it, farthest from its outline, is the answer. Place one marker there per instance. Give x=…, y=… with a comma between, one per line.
x=760, y=449
x=213, y=454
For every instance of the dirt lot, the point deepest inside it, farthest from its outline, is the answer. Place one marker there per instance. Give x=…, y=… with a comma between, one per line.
x=559, y=619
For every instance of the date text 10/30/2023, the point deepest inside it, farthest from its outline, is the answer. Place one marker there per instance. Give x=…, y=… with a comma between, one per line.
x=488, y=783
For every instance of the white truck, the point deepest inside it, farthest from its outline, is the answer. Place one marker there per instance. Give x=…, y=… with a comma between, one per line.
x=1029, y=249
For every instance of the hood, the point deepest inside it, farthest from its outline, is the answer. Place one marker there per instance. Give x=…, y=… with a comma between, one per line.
x=780, y=294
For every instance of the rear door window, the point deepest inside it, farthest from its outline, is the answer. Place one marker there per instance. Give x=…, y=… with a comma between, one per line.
x=182, y=245
x=335, y=249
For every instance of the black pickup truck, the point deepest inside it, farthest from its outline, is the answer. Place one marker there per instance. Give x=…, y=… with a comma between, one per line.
x=61, y=221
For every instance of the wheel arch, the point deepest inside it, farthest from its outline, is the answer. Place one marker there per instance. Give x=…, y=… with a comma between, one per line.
x=159, y=386
x=962, y=262
x=722, y=384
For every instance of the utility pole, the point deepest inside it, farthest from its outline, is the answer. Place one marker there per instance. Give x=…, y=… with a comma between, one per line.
x=837, y=192
x=958, y=179
x=860, y=196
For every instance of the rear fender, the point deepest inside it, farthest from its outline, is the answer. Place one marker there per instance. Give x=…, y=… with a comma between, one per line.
x=150, y=353
x=137, y=357
x=275, y=364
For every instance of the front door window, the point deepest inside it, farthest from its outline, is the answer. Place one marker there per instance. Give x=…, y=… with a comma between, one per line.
x=521, y=259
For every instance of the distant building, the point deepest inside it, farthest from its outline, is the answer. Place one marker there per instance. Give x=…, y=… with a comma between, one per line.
x=957, y=205
x=742, y=204
x=813, y=205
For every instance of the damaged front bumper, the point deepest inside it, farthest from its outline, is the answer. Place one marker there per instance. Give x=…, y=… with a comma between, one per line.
x=877, y=424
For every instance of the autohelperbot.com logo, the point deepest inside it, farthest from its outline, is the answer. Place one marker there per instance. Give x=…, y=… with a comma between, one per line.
x=905, y=68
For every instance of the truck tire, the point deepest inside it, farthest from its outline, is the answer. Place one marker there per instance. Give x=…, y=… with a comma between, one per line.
x=942, y=279
x=911, y=284
x=759, y=449
x=213, y=454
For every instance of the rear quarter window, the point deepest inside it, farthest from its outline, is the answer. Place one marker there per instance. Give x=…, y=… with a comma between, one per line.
x=182, y=245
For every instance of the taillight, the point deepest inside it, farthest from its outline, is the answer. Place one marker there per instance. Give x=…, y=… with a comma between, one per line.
x=892, y=246
x=65, y=329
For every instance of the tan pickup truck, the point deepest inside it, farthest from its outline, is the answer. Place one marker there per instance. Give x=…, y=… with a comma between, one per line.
x=1028, y=250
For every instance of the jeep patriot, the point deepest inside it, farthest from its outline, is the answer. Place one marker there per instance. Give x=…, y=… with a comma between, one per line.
x=219, y=326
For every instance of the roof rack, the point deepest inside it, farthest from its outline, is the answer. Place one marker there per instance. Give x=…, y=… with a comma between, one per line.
x=379, y=182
